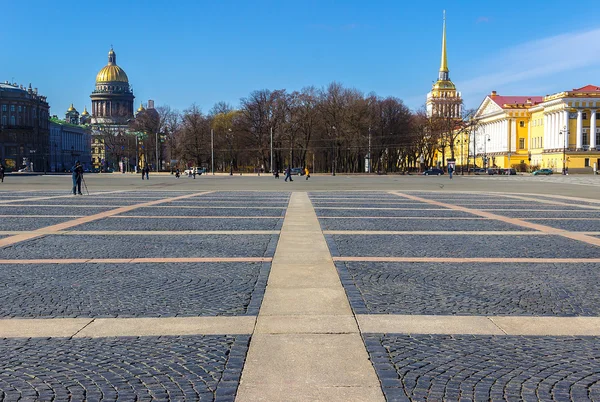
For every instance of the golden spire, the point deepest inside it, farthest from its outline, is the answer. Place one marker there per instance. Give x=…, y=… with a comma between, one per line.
x=141, y=108
x=85, y=112
x=444, y=66
x=71, y=108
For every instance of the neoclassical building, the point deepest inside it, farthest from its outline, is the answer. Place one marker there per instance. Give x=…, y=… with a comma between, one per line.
x=112, y=109
x=112, y=100
x=24, y=128
x=538, y=130
x=444, y=100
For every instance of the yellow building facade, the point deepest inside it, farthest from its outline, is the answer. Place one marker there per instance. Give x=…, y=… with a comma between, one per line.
x=535, y=131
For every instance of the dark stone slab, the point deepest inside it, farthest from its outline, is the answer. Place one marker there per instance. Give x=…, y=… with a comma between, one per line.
x=463, y=246
x=571, y=225
x=166, y=224
x=186, y=368
x=132, y=290
x=471, y=289
x=375, y=205
x=157, y=211
x=29, y=223
x=52, y=210
x=431, y=213
x=142, y=246
x=399, y=224
x=490, y=368
x=549, y=214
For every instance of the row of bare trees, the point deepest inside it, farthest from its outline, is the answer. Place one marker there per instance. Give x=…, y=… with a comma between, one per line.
x=334, y=129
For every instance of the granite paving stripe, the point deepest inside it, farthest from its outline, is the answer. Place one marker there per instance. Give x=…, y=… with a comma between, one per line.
x=194, y=224
x=29, y=223
x=570, y=235
x=497, y=289
x=523, y=246
x=142, y=246
x=136, y=260
x=469, y=260
x=89, y=201
x=479, y=325
x=414, y=224
x=40, y=216
x=204, y=212
x=485, y=368
x=428, y=213
x=431, y=233
x=125, y=232
x=193, y=217
x=124, y=327
x=324, y=354
x=198, y=368
x=132, y=290
x=79, y=221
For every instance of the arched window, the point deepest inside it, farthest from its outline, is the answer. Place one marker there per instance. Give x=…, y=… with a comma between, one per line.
x=12, y=120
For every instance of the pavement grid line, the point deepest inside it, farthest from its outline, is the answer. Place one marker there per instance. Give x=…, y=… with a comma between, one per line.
x=515, y=221
x=8, y=241
x=306, y=344
x=137, y=260
x=470, y=260
x=51, y=197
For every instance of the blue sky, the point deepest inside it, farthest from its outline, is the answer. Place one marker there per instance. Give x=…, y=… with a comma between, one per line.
x=185, y=52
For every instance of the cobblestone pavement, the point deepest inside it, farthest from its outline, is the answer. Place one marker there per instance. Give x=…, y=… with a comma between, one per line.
x=400, y=224
x=158, y=211
x=462, y=246
x=143, y=246
x=183, y=224
x=575, y=225
x=472, y=289
x=186, y=368
x=54, y=210
x=486, y=368
x=132, y=290
x=29, y=223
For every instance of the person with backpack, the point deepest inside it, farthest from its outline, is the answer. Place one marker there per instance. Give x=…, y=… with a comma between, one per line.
x=288, y=173
x=2, y=169
x=77, y=177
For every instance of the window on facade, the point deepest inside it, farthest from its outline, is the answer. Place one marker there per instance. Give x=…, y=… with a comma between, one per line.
x=4, y=108
x=4, y=120
x=20, y=108
x=587, y=162
x=521, y=143
x=584, y=116
x=12, y=120
x=522, y=123
x=12, y=108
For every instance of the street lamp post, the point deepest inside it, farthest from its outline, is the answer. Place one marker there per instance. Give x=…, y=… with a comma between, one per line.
x=333, y=157
x=564, y=132
x=486, y=139
x=462, y=157
x=230, y=152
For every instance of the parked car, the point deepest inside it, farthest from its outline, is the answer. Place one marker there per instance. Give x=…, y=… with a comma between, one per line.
x=297, y=171
x=510, y=172
x=493, y=171
x=479, y=171
x=433, y=172
x=544, y=171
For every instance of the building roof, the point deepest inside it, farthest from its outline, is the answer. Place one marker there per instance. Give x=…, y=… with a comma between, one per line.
x=587, y=88
x=9, y=87
x=516, y=100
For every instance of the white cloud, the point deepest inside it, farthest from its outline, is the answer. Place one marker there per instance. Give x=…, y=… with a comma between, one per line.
x=534, y=60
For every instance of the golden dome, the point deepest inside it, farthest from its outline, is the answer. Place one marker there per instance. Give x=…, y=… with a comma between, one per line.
x=141, y=108
x=71, y=108
x=444, y=84
x=111, y=72
x=85, y=112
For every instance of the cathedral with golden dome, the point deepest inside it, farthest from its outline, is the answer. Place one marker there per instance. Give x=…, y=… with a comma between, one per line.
x=112, y=99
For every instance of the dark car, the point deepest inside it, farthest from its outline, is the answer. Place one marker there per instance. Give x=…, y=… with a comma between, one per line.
x=510, y=172
x=297, y=171
x=433, y=172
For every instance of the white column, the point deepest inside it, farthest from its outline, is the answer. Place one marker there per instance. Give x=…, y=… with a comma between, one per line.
x=555, y=124
x=566, y=124
x=579, y=128
x=545, y=138
x=593, y=129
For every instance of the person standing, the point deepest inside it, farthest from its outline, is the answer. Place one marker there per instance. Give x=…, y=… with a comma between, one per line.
x=143, y=172
x=288, y=173
x=2, y=169
x=450, y=171
x=307, y=173
x=147, y=172
x=177, y=173
x=77, y=177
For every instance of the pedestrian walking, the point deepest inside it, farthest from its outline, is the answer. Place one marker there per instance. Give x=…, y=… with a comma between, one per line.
x=146, y=171
x=194, y=173
x=143, y=173
x=307, y=173
x=288, y=173
x=450, y=171
x=276, y=173
x=77, y=177
x=2, y=169
x=177, y=173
